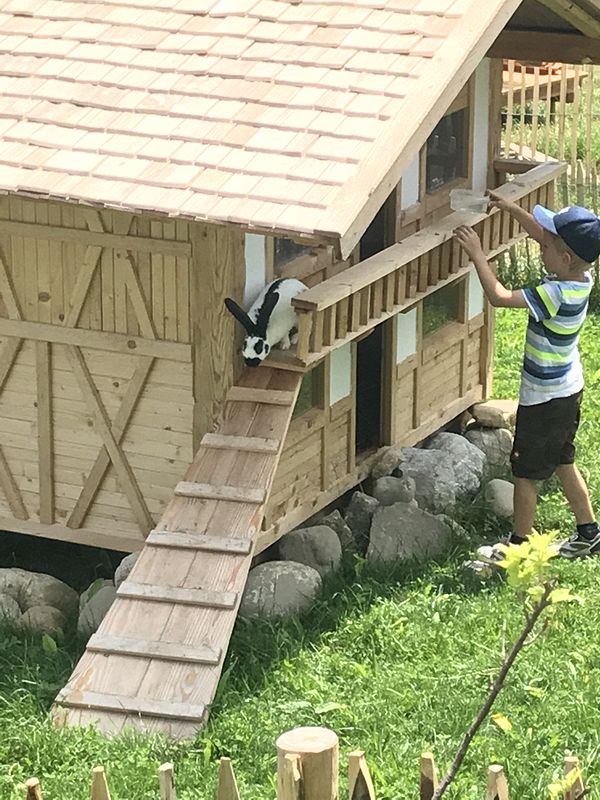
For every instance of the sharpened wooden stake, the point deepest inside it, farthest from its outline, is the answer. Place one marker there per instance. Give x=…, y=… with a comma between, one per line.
x=227, y=788
x=497, y=787
x=33, y=789
x=572, y=763
x=166, y=782
x=318, y=750
x=429, y=778
x=99, y=785
x=360, y=784
x=291, y=786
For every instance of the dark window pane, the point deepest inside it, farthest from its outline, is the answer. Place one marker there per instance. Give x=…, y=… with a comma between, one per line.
x=447, y=150
x=286, y=250
x=309, y=395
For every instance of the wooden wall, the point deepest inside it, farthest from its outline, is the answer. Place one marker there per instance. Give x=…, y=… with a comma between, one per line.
x=106, y=319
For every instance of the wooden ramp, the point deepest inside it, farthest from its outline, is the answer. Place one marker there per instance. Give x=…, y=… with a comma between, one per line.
x=155, y=661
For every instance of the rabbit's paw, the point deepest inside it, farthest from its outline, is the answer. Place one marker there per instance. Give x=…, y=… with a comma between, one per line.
x=294, y=338
x=285, y=343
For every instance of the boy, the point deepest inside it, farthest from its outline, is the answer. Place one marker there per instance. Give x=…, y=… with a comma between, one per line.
x=552, y=378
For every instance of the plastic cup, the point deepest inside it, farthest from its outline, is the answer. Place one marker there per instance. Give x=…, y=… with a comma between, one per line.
x=467, y=200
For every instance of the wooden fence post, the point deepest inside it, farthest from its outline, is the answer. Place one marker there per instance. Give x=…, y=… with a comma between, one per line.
x=227, y=787
x=318, y=751
x=572, y=763
x=429, y=778
x=33, y=789
x=99, y=785
x=497, y=787
x=291, y=780
x=360, y=783
x=166, y=782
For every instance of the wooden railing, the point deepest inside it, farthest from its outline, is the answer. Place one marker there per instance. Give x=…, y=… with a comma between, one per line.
x=359, y=298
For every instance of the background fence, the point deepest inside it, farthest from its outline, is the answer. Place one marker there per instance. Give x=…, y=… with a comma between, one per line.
x=308, y=769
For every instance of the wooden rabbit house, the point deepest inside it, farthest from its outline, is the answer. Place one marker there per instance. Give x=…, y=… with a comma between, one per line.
x=159, y=156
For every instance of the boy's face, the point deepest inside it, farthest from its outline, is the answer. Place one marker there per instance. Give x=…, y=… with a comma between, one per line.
x=556, y=260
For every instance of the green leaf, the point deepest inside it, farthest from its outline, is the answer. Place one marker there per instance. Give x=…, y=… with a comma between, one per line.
x=563, y=595
x=325, y=708
x=48, y=644
x=502, y=721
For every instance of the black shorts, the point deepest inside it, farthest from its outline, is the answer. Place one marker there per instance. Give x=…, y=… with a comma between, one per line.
x=545, y=437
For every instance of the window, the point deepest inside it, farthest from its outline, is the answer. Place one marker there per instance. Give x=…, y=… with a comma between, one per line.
x=287, y=250
x=311, y=392
x=441, y=307
x=447, y=148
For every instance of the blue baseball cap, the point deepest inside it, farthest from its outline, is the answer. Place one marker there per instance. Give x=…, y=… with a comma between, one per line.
x=576, y=226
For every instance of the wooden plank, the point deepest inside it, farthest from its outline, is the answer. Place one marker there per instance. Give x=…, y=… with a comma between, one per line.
x=207, y=491
x=199, y=541
x=95, y=340
x=549, y=46
x=227, y=787
x=138, y=706
x=248, y=394
x=45, y=431
x=166, y=651
x=249, y=444
x=169, y=594
x=11, y=490
x=428, y=782
x=99, y=785
x=360, y=784
x=575, y=15
x=32, y=789
x=82, y=286
x=135, y=243
x=497, y=787
x=166, y=782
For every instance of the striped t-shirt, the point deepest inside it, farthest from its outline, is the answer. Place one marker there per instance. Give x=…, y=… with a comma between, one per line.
x=552, y=367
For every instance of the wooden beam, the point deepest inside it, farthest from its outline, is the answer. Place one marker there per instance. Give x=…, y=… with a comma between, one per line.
x=142, y=706
x=571, y=48
x=168, y=594
x=575, y=15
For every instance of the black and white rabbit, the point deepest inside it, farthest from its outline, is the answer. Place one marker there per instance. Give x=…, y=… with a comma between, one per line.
x=270, y=321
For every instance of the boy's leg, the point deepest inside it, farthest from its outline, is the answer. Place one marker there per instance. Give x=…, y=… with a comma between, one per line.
x=576, y=492
x=525, y=505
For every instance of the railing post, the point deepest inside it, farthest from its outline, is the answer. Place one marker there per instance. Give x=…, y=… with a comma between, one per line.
x=318, y=753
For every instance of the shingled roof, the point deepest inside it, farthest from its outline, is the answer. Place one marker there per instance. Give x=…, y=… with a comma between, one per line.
x=289, y=115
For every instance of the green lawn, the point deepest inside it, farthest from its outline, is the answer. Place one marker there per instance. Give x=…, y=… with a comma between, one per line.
x=395, y=663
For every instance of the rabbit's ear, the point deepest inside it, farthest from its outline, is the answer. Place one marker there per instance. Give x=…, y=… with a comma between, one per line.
x=241, y=316
x=264, y=313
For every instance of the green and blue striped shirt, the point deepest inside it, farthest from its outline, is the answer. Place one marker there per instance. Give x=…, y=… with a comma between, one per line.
x=552, y=367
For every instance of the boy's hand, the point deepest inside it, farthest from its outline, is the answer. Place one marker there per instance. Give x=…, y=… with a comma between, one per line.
x=470, y=242
x=497, y=201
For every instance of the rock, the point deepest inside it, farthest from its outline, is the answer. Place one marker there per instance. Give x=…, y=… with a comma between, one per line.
x=94, y=610
x=318, y=547
x=43, y=619
x=124, y=568
x=494, y=443
x=496, y=413
x=467, y=460
x=433, y=474
x=31, y=589
x=358, y=515
x=9, y=609
x=501, y=497
x=387, y=462
x=94, y=587
x=279, y=589
x=390, y=490
x=404, y=531
x=45, y=590
x=336, y=522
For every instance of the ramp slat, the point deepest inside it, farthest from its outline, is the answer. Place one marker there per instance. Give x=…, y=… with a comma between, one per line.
x=200, y=541
x=249, y=444
x=248, y=394
x=207, y=491
x=168, y=651
x=142, y=706
x=168, y=594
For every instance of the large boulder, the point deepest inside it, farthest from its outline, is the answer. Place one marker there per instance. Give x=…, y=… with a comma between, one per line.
x=496, y=413
x=43, y=619
x=359, y=514
x=405, y=531
x=495, y=443
x=124, y=568
x=389, y=490
x=280, y=589
x=501, y=497
x=94, y=611
x=9, y=609
x=336, y=522
x=433, y=474
x=387, y=462
x=318, y=547
x=92, y=589
x=467, y=460
x=34, y=589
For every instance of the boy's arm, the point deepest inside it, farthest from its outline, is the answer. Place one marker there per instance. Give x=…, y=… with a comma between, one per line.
x=524, y=218
x=496, y=292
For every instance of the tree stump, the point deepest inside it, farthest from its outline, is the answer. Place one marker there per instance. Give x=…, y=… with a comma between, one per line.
x=318, y=751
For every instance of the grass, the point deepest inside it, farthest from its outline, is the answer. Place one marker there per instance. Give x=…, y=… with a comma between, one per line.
x=396, y=663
